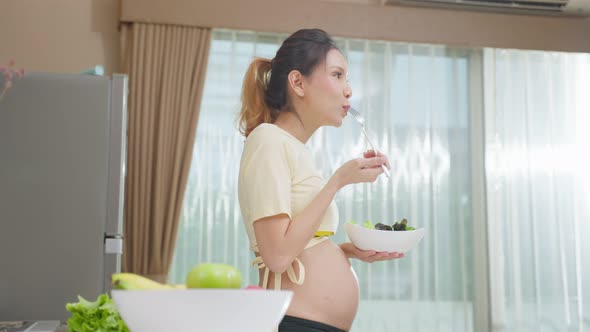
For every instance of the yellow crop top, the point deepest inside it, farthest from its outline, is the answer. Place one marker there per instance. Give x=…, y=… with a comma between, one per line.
x=277, y=175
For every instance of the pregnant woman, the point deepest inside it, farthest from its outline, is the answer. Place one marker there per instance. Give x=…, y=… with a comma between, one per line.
x=286, y=204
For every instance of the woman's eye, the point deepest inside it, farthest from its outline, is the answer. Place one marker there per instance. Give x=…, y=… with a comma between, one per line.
x=338, y=75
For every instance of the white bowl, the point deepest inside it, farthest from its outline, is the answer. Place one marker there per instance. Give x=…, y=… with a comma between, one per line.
x=211, y=310
x=378, y=240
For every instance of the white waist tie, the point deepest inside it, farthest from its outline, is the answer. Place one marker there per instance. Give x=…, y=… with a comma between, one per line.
x=290, y=271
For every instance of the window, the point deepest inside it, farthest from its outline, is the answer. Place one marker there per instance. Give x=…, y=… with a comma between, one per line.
x=419, y=101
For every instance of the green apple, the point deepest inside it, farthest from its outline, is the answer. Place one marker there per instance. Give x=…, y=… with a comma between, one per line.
x=212, y=275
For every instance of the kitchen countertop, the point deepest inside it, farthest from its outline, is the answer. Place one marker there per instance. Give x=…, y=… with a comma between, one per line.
x=20, y=325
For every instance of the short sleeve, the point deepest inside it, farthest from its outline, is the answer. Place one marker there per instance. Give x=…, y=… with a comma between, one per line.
x=265, y=180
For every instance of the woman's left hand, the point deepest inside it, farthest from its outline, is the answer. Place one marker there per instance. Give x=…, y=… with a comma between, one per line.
x=368, y=256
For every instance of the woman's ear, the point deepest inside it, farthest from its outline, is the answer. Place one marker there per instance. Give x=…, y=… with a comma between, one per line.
x=296, y=82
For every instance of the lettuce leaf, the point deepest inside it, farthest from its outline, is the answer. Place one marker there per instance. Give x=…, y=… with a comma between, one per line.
x=98, y=316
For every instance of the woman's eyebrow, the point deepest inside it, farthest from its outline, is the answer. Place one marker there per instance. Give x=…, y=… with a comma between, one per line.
x=337, y=67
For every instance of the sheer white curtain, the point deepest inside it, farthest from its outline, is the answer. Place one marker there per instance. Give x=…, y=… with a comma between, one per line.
x=538, y=189
x=416, y=99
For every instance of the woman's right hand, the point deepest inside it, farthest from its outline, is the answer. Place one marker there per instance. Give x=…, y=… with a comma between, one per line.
x=360, y=170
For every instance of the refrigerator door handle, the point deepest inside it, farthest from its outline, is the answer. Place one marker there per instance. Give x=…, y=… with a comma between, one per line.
x=113, y=244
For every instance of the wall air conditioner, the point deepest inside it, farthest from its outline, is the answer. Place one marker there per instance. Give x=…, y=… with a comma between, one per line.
x=535, y=7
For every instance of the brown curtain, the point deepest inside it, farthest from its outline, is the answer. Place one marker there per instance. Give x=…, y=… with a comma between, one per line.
x=166, y=66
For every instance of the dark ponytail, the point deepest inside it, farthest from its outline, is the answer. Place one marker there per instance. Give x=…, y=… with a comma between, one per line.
x=254, y=108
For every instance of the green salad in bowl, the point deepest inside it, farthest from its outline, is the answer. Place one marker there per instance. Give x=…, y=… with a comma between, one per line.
x=398, y=226
x=398, y=237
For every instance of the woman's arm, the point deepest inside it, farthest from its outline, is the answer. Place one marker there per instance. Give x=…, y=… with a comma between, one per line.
x=281, y=239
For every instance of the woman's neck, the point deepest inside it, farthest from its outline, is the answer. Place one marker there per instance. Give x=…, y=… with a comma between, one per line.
x=293, y=124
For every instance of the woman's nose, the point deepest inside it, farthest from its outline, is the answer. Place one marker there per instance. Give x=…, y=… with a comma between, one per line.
x=348, y=91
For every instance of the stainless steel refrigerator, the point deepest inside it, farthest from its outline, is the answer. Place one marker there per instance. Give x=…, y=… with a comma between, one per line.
x=62, y=168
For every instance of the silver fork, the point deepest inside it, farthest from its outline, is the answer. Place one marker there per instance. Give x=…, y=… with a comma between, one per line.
x=361, y=120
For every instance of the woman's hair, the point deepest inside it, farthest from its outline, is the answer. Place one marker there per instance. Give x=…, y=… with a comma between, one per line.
x=264, y=91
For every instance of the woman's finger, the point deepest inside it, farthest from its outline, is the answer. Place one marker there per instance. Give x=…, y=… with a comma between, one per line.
x=382, y=155
x=394, y=255
x=390, y=255
x=379, y=256
x=387, y=164
x=370, y=256
x=369, y=154
x=364, y=254
x=372, y=162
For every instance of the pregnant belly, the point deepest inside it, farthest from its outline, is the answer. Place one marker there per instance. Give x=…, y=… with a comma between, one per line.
x=330, y=292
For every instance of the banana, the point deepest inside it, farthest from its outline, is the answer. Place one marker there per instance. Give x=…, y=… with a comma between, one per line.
x=132, y=281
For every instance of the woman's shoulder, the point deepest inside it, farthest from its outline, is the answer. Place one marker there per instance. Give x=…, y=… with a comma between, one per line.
x=271, y=135
x=268, y=142
x=262, y=140
x=263, y=130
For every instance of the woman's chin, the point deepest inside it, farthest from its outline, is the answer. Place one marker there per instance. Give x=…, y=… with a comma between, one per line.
x=333, y=122
x=337, y=123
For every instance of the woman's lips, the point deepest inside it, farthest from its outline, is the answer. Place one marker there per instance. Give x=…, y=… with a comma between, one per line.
x=345, y=108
